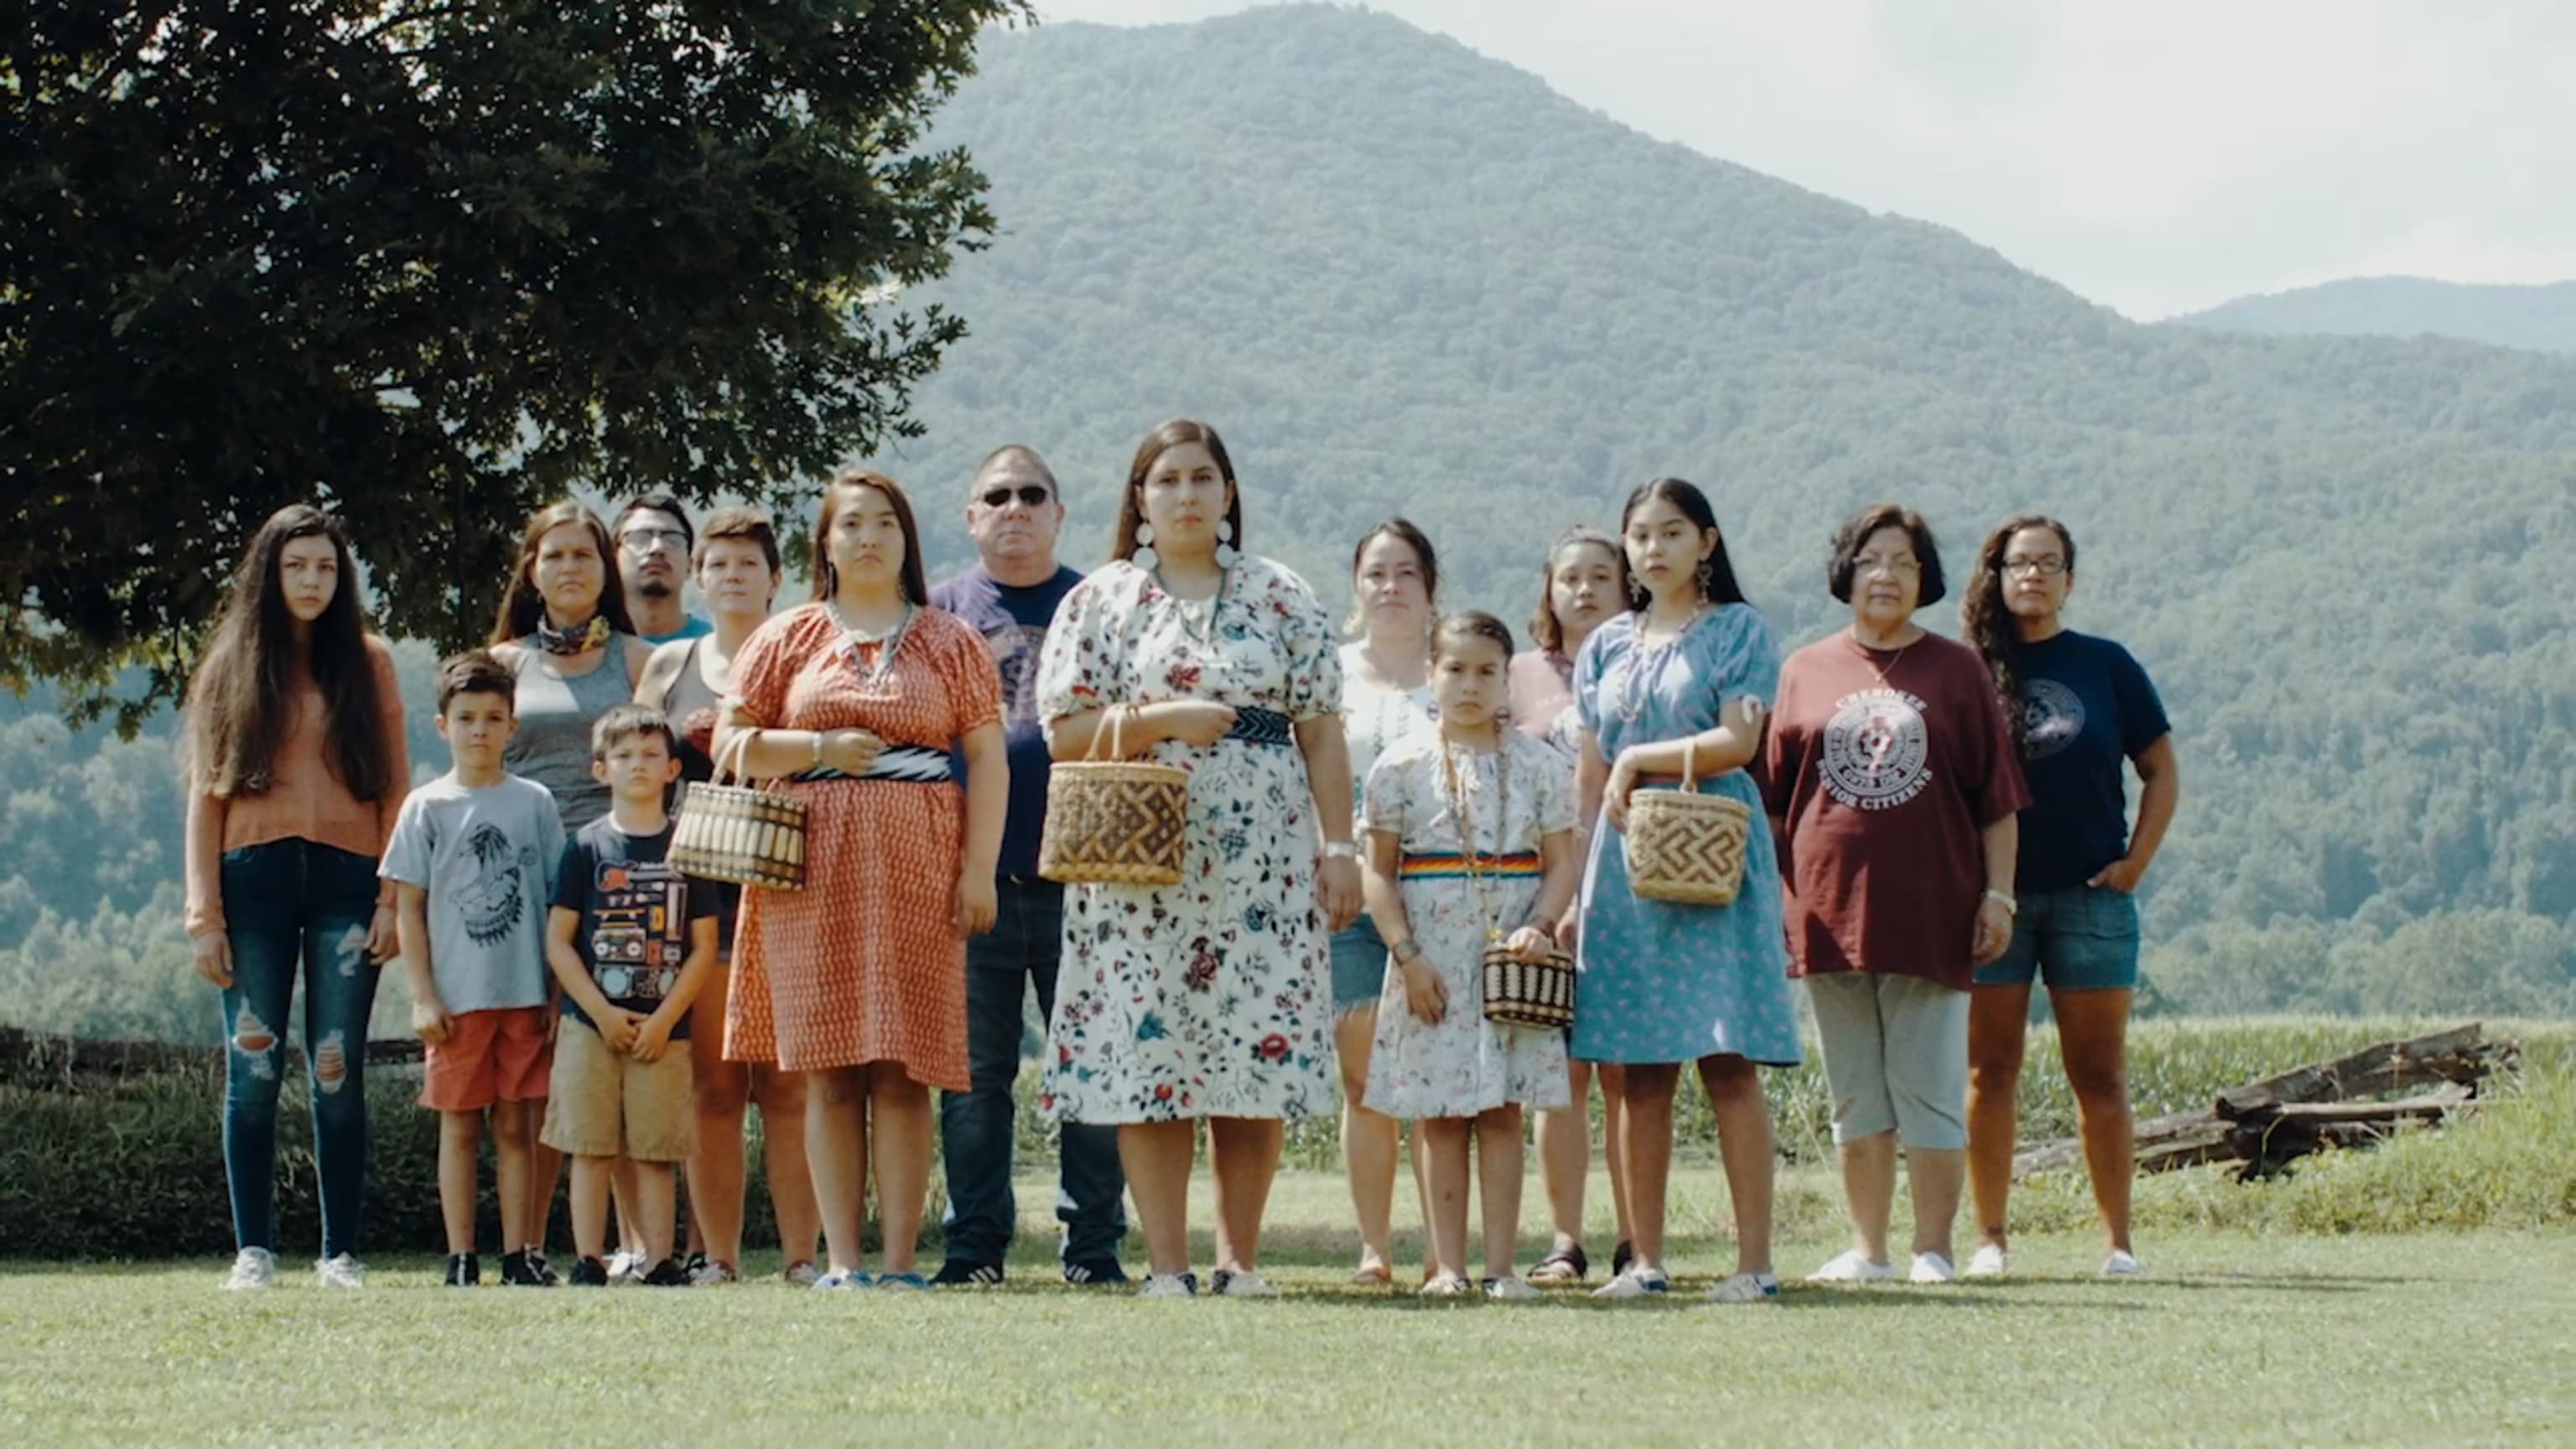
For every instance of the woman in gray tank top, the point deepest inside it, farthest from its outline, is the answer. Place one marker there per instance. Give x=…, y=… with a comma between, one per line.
x=563, y=630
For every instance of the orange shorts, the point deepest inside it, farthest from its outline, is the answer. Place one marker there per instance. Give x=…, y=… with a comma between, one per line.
x=489, y=1056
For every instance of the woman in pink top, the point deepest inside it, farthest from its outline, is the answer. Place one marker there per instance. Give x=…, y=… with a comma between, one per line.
x=296, y=767
x=1585, y=582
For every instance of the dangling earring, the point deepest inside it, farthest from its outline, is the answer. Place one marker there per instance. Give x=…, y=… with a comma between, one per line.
x=1144, y=557
x=1703, y=580
x=1636, y=593
x=1225, y=543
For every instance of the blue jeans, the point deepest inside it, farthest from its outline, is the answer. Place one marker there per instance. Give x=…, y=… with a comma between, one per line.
x=293, y=907
x=975, y=1126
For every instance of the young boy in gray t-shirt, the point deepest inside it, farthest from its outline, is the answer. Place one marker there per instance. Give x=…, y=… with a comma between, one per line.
x=473, y=856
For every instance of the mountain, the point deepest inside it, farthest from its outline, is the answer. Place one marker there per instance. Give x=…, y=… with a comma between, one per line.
x=1402, y=277
x=2540, y=319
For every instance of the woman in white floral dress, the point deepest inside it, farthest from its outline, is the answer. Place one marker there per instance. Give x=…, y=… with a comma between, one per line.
x=1470, y=841
x=1209, y=998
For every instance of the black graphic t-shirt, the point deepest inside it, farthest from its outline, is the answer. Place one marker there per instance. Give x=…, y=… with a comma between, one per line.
x=483, y=854
x=1014, y=623
x=635, y=915
x=2087, y=707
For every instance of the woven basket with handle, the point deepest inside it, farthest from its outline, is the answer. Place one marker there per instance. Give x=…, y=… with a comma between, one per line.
x=1114, y=821
x=751, y=835
x=1686, y=847
x=1528, y=993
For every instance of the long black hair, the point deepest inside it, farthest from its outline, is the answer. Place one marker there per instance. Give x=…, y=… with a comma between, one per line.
x=1988, y=622
x=240, y=701
x=1716, y=576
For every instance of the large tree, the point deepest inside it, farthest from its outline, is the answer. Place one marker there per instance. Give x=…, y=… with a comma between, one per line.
x=439, y=261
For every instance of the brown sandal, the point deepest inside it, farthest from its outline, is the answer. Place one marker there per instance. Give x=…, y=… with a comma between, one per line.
x=1565, y=1266
x=1373, y=1275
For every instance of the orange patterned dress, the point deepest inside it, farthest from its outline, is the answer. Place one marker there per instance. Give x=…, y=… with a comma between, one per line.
x=864, y=964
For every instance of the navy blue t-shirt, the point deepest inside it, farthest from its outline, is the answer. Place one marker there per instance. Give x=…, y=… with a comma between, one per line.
x=1014, y=622
x=635, y=916
x=2087, y=708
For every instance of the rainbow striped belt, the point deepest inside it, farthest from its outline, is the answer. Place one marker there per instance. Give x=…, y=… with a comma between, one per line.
x=1454, y=867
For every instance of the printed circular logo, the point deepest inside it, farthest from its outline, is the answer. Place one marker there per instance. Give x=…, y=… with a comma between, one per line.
x=1877, y=751
x=2052, y=715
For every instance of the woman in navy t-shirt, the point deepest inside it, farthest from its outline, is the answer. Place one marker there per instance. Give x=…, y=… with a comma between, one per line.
x=2082, y=707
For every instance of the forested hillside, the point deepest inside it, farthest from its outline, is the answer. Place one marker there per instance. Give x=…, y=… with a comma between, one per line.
x=2542, y=319
x=1402, y=277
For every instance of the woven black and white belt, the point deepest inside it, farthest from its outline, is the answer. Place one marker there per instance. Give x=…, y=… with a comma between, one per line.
x=1262, y=727
x=905, y=764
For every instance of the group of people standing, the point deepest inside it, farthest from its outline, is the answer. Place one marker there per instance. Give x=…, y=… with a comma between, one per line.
x=1369, y=811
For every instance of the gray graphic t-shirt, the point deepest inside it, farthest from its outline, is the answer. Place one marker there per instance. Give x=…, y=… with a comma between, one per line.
x=487, y=858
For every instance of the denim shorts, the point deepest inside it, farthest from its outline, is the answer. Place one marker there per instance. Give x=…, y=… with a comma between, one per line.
x=2084, y=938
x=1359, y=965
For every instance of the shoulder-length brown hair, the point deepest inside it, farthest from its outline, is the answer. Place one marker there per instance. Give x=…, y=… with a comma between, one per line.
x=522, y=606
x=239, y=701
x=1545, y=629
x=1131, y=504
x=1988, y=622
x=827, y=579
x=1854, y=536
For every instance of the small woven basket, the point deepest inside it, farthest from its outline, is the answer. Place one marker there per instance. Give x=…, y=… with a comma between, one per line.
x=750, y=835
x=1685, y=847
x=1529, y=993
x=1114, y=821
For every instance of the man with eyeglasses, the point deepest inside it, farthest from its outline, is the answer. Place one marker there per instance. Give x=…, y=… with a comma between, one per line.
x=654, y=541
x=1013, y=512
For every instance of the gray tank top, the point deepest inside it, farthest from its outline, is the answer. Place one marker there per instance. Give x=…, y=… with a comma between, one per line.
x=552, y=746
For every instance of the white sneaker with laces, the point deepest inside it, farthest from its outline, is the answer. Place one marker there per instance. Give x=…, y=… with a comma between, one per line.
x=1513, y=1289
x=1168, y=1285
x=1851, y=1267
x=2121, y=1265
x=1746, y=1288
x=1989, y=1261
x=1932, y=1268
x=1246, y=1284
x=625, y=1267
x=252, y=1268
x=1635, y=1283
x=342, y=1271
x=1448, y=1285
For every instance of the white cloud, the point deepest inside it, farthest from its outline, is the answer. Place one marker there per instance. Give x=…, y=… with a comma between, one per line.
x=2156, y=158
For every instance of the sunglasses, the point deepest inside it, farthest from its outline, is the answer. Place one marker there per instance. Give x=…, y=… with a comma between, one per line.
x=1029, y=494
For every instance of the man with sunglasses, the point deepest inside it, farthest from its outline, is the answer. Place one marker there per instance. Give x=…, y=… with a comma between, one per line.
x=1013, y=512
x=654, y=541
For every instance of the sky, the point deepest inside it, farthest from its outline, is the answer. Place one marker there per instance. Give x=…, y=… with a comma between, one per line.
x=2155, y=158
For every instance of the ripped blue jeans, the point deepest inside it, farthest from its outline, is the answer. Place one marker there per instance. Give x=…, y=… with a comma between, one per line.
x=291, y=904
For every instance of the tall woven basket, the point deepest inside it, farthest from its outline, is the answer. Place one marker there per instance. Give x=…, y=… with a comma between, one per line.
x=1686, y=847
x=747, y=834
x=1114, y=821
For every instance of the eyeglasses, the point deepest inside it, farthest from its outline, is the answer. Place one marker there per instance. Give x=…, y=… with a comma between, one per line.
x=638, y=540
x=1895, y=568
x=2047, y=567
x=1029, y=494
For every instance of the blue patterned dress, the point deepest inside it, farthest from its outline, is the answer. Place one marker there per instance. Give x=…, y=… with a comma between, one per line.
x=1673, y=983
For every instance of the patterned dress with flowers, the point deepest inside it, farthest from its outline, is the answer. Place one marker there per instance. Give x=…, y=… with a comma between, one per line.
x=1463, y=1064
x=1210, y=997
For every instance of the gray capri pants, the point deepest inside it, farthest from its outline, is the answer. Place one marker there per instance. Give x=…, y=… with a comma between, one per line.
x=1896, y=1057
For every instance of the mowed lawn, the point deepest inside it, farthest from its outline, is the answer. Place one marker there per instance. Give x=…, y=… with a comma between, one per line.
x=2424, y=1338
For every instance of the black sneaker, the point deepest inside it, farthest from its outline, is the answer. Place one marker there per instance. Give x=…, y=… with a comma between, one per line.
x=1095, y=1273
x=524, y=1269
x=547, y=1277
x=696, y=1264
x=464, y=1270
x=667, y=1274
x=1621, y=1256
x=590, y=1273
x=959, y=1273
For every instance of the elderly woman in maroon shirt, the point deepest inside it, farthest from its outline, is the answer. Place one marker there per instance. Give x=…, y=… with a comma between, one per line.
x=1894, y=781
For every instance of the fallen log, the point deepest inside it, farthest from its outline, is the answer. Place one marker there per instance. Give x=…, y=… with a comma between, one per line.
x=2455, y=1056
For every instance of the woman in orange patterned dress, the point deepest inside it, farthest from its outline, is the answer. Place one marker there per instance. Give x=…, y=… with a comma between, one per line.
x=859, y=980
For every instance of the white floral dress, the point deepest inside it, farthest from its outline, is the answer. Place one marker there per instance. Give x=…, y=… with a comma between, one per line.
x=1464, y=1064
x=1209, y=998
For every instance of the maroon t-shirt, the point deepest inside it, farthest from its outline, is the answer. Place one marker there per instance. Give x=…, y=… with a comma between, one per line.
x=1886, y=767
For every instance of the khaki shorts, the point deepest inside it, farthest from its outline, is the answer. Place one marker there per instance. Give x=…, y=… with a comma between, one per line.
x=1896, y=1057
x=608, y=1105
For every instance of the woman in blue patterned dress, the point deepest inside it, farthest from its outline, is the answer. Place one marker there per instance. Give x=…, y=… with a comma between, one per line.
x=1664, y=984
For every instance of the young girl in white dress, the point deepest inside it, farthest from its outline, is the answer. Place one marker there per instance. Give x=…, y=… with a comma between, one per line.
x=1468, y=835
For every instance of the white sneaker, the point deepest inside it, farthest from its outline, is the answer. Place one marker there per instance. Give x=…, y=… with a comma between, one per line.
x=802, y=1275
x=1448, y=1285
x=1246, y=1284
x=1635, y=1283
x=1169, y=1285
x=1514, y=1289
x=1746, y=1288
x=1851, y=1267
x=1989, y=1261
x=341, y=1272
x=714, y=1274
x=625, y=1267
x=1932, y=1268
x=2121, y=1265
x=252, y=1268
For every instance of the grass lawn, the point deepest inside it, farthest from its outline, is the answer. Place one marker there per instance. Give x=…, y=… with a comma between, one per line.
x=2235, y=1338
